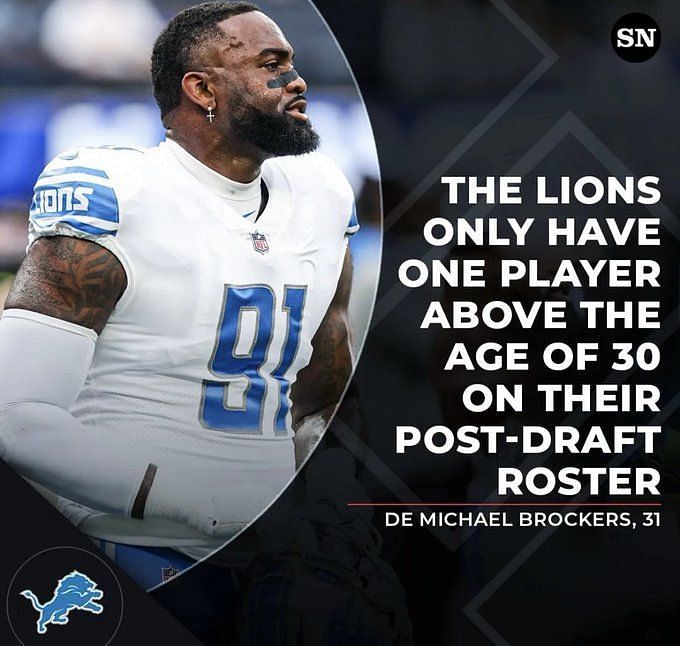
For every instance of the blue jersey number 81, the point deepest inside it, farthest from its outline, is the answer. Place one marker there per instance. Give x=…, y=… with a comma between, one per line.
x=227, y=362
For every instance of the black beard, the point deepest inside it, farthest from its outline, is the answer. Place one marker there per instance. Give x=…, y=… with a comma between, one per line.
x=273, y=134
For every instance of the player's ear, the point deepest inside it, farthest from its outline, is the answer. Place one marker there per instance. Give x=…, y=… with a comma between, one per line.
x=197, y=87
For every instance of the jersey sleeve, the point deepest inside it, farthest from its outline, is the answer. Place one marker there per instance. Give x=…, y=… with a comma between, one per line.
x=75, y=196
x=338, y=193
x=353, y=223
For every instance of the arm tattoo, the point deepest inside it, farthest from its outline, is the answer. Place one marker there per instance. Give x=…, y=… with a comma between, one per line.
x=70, y=279
x=320, y=385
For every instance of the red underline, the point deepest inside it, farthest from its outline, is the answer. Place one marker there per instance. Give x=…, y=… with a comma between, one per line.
x=504, y=504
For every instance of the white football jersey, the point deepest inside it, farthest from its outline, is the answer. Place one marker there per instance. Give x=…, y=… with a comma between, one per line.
x=195, y=366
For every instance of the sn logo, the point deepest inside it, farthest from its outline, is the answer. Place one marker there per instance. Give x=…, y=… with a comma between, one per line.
x=635, y=37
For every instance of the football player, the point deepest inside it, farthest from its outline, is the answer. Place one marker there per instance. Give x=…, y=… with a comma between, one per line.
x=178, y=332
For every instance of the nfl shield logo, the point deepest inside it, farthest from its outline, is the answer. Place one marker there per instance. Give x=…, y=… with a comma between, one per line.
x=169, y=573
x=260, y=242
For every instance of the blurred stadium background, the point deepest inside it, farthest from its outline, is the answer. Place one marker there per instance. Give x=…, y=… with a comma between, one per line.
x=76, y=72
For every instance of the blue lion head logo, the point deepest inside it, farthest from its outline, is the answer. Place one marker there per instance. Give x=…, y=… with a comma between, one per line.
x=75, y=591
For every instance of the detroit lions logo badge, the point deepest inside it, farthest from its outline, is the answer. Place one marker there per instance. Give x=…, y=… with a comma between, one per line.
x=75, y=591
x=259, y=242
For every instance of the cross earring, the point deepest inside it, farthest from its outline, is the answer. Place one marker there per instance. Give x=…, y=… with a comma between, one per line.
x=210, y=115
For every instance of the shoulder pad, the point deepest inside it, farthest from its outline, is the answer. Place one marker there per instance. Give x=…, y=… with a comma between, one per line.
x=75, y=194
x=77, y=197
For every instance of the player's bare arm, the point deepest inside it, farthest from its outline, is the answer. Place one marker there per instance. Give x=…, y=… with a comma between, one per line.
x=69, y=279
x=319, y=387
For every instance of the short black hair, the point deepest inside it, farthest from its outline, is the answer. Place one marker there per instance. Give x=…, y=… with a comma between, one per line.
x=173, y=50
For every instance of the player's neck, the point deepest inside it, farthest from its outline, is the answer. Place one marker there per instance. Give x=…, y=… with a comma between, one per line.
x=238, y=166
